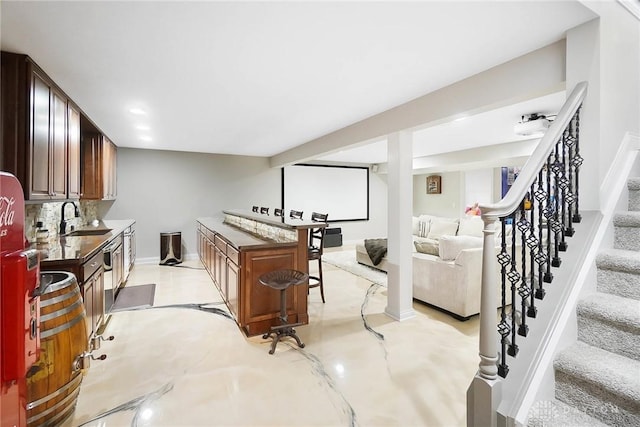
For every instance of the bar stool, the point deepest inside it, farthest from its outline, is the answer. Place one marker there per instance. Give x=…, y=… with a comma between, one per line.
x=254, y=209
x=264, y=211
x=281, y=280
x=278, y=212
x=316, y=242
x=295, y=214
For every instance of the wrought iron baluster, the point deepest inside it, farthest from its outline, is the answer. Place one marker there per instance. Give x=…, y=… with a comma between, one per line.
x=523, y=288
x=548, y=213
x=514, y=278
x=503, y=326
x=540, y=258
x=576, y=162
x=563, y=183
x=554, y=220
x=569, y=197
x=531, y=310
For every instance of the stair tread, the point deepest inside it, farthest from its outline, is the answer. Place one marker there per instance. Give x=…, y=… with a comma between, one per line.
x=627, y=219
x=619, y=259
x=618, y=374
x=551, y=413
x=611, y=308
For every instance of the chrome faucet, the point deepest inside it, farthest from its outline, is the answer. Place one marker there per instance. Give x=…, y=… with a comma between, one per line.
x=63, y=222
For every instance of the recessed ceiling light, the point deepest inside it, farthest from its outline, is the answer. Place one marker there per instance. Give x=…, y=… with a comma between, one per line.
x=143, y=127
x=138, y=111
x=459, y=119
x=145, y=138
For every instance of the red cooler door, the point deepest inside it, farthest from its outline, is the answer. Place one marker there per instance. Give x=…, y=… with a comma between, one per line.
x=20, y=313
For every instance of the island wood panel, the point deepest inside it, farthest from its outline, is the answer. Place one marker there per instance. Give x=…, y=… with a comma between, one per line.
x=303, y=250
x=261, y=304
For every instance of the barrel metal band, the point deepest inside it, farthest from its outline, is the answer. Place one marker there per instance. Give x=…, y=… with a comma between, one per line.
x=75, y=381
x=65, y=310
x=65, y=326
x=60, y=285
x=59, y=298
x=66, y=404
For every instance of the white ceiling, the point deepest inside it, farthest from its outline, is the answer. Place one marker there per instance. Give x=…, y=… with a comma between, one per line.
x=259, y=78
x=493, y=127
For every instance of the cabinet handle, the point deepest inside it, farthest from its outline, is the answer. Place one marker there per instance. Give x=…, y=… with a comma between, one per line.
x=93, y=264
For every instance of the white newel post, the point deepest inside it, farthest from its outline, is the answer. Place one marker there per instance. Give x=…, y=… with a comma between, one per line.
x=400, y=212
x=484, y=394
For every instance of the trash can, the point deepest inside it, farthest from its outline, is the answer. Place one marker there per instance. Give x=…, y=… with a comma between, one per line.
x=333, y=237
x=171, y=248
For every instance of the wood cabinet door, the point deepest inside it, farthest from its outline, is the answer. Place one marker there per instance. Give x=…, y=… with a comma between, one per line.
x=39, y=161
x=260, y=303
x=73, y=147
x=118, y=267
x=113, y=182
x=233, y=284
x=109, y=162
x=91, y=167
x=98, y=296
x=58, y=144
x=88, y=306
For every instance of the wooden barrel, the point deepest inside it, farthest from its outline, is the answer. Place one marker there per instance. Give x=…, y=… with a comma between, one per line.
x=53, y=383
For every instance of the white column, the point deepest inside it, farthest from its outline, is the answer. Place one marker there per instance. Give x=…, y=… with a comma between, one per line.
x=400, y=212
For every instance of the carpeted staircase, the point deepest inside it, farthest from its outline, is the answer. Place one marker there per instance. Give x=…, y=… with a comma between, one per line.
x=598, y=378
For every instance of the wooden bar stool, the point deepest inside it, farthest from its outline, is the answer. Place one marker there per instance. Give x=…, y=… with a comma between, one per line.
x=295, y=214
x=278, y=212
x=254, y=209
x=316, y=242
x=281, y=280
x=264, y=211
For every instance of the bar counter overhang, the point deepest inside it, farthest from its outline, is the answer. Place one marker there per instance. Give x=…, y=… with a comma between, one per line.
x=239, y=246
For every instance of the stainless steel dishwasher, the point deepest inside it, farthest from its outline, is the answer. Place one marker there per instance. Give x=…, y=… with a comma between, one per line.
x=110, y=255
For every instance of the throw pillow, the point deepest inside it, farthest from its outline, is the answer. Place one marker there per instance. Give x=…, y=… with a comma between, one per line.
x=423, y=228
x=441, y=228
x=430, y=248
x=415, y=226
x=471, y=226
x=451, y=246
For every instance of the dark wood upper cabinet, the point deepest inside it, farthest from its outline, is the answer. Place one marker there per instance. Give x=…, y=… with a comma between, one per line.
x=98, y=165
x=58, y=145
x=40, y=131
x=39, y=165
x=73, y=149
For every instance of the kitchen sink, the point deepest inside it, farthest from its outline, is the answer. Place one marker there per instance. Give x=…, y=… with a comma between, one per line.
x=89, y=232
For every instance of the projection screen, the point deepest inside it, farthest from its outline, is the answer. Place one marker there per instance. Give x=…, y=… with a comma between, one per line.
x=340, y=191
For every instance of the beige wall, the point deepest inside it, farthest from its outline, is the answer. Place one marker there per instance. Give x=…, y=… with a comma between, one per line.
x=448, y=203
x=167, y=190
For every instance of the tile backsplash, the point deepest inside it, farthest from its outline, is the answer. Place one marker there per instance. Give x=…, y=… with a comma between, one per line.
x=50, y=213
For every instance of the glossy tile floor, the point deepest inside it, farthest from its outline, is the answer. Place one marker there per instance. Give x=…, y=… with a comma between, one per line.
x=181, y=366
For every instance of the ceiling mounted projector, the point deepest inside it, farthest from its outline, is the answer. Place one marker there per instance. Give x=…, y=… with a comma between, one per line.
x=532, y=125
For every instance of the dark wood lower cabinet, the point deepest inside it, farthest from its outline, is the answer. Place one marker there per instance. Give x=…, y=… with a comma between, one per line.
x=90, y=276
x=235, y=271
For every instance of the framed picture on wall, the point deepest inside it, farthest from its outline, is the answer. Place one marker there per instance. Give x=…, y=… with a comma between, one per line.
x=434, y=184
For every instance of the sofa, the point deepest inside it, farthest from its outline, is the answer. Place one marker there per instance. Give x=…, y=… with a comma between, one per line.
x=447, y=263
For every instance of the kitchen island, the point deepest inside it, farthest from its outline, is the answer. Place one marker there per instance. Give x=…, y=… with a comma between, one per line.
x=238, y=247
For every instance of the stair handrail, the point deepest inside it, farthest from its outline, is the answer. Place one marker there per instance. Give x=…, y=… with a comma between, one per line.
x=485, y=391
x=529, y=171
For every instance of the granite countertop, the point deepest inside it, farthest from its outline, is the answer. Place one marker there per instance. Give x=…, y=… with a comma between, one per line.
x=240, y=239
x=278, y=221
x=79, y=248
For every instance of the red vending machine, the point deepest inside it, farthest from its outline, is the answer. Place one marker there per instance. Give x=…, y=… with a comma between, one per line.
x=19, y=304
